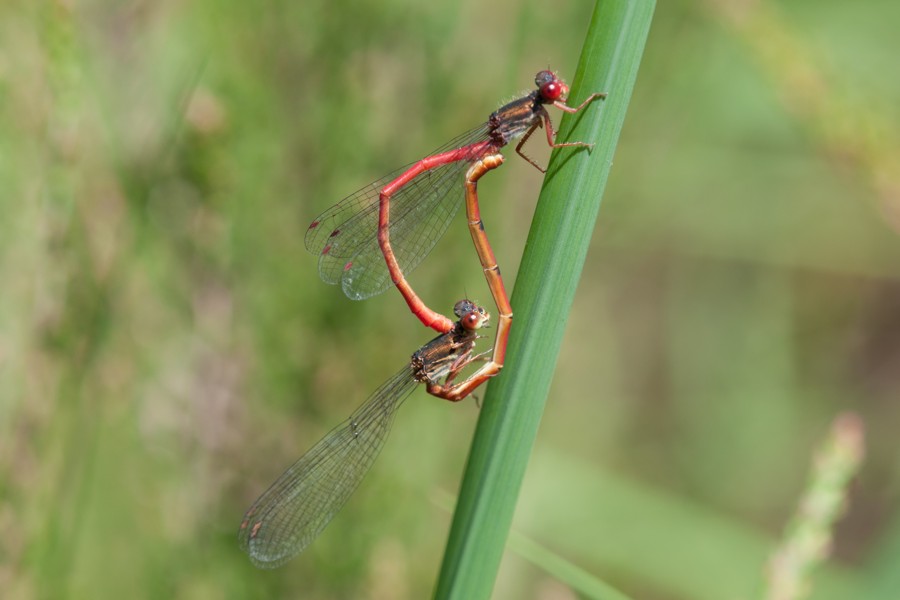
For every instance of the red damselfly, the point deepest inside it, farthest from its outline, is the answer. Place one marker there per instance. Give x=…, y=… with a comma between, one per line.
x=373, y=237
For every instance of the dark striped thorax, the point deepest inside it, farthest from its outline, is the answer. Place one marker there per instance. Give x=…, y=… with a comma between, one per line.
x=512, y=120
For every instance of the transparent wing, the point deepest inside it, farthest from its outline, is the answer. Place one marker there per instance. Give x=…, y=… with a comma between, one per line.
x=345, y=235
x=303, y=500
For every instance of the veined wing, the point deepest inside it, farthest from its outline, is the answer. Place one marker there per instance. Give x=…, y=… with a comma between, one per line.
x=345, y=236
x=304, y=499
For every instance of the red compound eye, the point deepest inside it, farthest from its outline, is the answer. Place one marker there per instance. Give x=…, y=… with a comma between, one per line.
x=552, y=90
x=474, y=319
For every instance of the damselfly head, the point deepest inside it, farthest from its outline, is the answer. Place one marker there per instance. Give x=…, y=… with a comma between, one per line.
x=471, y=316
x=551, y=87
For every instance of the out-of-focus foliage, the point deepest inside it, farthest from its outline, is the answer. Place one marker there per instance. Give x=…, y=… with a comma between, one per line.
x=166, y=347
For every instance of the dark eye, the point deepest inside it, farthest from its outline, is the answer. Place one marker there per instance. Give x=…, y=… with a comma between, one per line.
x=462, y=307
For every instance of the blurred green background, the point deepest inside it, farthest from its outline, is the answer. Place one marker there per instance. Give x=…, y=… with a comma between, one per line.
x=167, y=349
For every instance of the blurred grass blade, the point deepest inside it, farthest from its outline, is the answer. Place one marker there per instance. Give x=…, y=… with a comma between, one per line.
x=650, y=535
x=545, y=287
x=565, y=571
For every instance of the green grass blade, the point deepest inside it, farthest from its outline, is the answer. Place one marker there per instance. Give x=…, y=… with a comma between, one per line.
x=563, y=570
x=545, y=287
